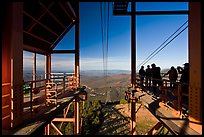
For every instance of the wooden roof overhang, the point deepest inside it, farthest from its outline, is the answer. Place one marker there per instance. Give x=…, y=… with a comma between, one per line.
x=45, y=23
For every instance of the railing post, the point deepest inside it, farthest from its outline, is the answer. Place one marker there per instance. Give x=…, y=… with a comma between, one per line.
x=179, y=97
x=84, y=98
x=133, y=114
x=31, y=97
x=47, y=129
x=63, y=91
x=76, y=116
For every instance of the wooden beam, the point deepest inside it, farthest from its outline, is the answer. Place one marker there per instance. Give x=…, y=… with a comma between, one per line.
x=63, y=119
x=126, y=13
x=58, y=131
x=65, y=10
x=62, y=35
x=39, y=17
x=38, y=37
x=33, y=49
x=64, y=51
x=51, y=14
x=40, y=23
x=72, y=10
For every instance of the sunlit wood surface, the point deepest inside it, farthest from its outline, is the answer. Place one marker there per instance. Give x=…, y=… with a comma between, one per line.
x=42, y=115
x=166, y=114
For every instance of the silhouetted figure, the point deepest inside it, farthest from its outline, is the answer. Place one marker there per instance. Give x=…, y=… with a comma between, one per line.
x=148, y=76
x=173, y=75
x=156, y=77
x=184, y=81
x=142, y=75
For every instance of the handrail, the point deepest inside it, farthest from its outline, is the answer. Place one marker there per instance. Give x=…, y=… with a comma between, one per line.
x=37, y=88
x=179, y=89
x=45, y=119
x=32, y=81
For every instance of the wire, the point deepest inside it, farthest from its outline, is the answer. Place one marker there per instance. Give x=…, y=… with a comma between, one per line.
x=105, y=32
x=144, y=62
x=102, y=35
x=166, y=44
x=107, y=41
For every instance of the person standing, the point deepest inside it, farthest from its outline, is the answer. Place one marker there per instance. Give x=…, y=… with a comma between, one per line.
x=156, y=77
x=184, y=80
x=142, y=75
x=173, y=75
x=148, y=76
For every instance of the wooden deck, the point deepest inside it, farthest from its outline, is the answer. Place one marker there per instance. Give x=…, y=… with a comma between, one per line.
x=36, y=121
x=168, y=116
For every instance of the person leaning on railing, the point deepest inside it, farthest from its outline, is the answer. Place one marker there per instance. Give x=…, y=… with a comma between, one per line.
x=184, y=80
x=173, y=75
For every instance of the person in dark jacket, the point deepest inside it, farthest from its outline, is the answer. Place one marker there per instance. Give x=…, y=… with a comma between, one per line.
x=156, y=77
x=184, y=80
x=173, y=75
x=148, y=76
x=142, y=75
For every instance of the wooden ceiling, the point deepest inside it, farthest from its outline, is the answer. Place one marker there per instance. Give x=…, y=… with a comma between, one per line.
x=45, y=23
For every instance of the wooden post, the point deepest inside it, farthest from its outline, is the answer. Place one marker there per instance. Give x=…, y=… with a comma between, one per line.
x=195, y=53
x=76, y=116
x=47, y=129
x=133, y=116
x=133, y=46
x=48, y=66
x=34, y=70
x=12, y=67
x=195, y=85
x=77, y=46
x=179, y=98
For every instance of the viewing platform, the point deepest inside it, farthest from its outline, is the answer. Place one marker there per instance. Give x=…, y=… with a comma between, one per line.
x=45, y=103
x=168, y=116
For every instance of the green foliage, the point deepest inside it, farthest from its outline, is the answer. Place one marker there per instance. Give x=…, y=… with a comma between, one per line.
x=93, y=117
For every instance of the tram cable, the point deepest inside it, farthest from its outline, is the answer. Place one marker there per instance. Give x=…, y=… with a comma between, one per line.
x=105, y=32
x=158, y=50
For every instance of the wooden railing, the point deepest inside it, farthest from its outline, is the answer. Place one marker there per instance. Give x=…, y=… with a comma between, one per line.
x=6, y=106
x=35, y=92
x=167, y=92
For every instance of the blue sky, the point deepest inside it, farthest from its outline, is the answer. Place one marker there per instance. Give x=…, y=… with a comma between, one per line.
x=151, y=32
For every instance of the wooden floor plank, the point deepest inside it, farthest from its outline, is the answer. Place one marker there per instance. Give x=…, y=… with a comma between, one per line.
x=169, y=116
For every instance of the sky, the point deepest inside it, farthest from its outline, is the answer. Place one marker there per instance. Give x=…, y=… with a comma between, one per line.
x=151, y=32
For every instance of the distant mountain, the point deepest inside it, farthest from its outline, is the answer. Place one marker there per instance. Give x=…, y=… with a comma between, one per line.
x=101, y=72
